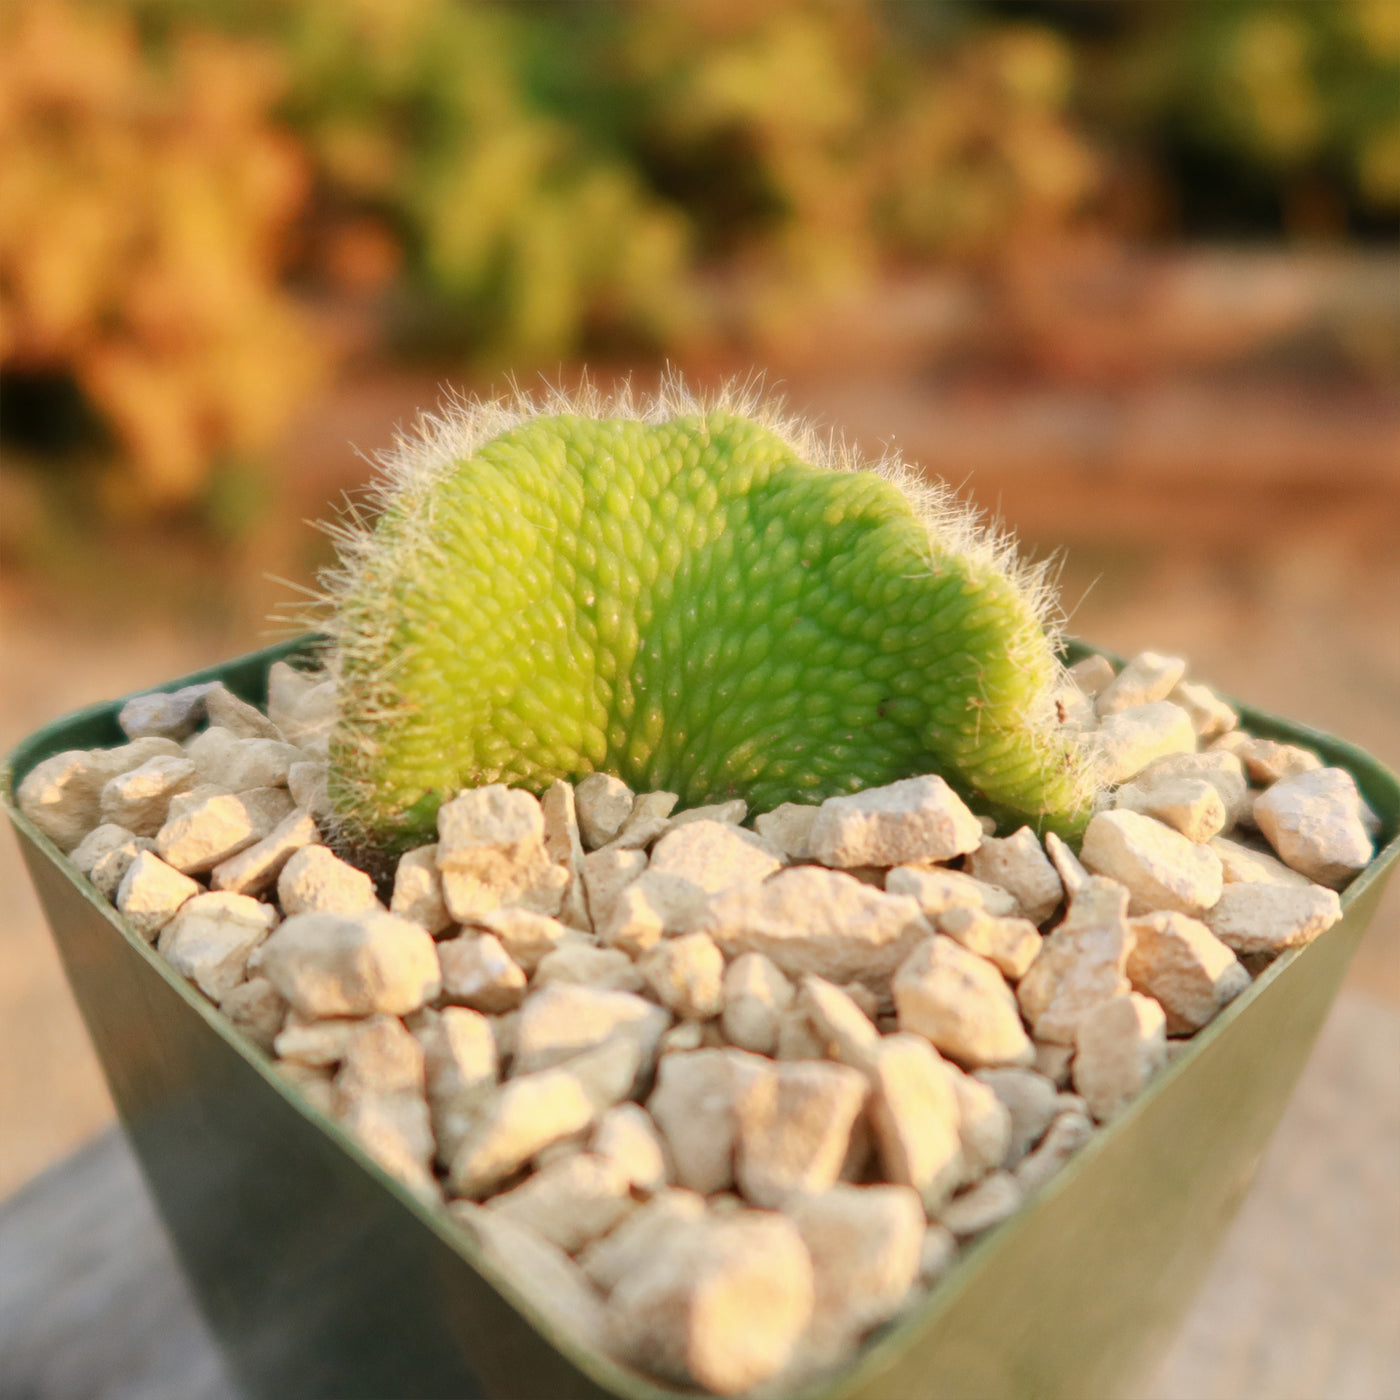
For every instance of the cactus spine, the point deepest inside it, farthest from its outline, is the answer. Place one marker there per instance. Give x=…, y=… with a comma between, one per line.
x=702, y=597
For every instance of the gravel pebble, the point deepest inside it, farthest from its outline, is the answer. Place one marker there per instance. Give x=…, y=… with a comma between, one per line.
x=806, y=1160
x=1314, y=821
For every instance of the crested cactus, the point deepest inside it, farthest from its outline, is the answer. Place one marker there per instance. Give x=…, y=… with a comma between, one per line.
x=698, y=597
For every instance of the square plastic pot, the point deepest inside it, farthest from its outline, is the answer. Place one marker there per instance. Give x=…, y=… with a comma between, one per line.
x=324, y=1279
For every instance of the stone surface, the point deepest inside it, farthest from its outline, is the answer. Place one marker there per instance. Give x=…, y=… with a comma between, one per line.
x=256, y=867
x=477, y=972
x=109, y=870
x=684, y=1036
x=626, y=1135
x=937, y=1253
x=797, y=1037
x=1091, y=674
x=213, y=752
x=319, y=1043
x=807, y=919
x=1210, y=715
x=418, y=890
x=1066, y=1135
x=865, y=1244
x=1149, y=676
x=197, y=837
x=461, y=1070
x=528, y=937
x=151, y=893
x=984, y=1125
x=1030, y=1101
x=210, y=939
x=640, y=1237
x=1268, y=918
x=991, y=1201
x=845, y=1032
x=789, y=827
x=351, y=965
x=242, y=720
x=793, y=1129
x=1068, y=867
x=1128, y=740
x=693, y=1106
x=307, y=782
x=562, y=1019
x=732, y=812
x=1081, y=963
x=1222, y=770
x=381, y=1057
x=563, y=843
x=315, y=880
x=1011, y=944
x=394, y=1130
x=914, y=1114
x=174, y=714
x=1192, y=806
x=99, y=842
x=1159, y=867
x=756, y=994
x=1120, y=1044
x=689, y=1314
x=1314, y=822
x=1265, y=760
x=687, y=975
x=961, y=1004
x=937, y=889
x=603, y=804
x=915, y=819
x=257, y=1009
x=541, y=1272
x=304, y=708
x=1182, y=965
x=605, y=875
x=648, y=819
x=1054, y=1061
x=586, y=966
x=1019, y=865
x=314, y=1085
x=654, y=906
x=524, y=1116
x=237, y=764
x=139, y=799
x=610, y=1072
x=571, y=1202
x=491, y=852
x=1242, y=864
x=714, y=856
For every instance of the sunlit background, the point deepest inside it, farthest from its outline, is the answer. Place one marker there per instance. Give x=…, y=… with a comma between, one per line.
x=1125, y=272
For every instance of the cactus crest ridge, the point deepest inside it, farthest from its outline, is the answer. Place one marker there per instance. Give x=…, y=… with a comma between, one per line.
x=699, y=593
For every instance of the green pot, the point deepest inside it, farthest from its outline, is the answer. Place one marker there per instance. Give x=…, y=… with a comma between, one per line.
x=322, y=1277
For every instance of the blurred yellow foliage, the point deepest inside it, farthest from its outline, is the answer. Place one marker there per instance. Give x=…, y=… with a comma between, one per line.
x=520, y=183
x=868, y=148
x=525, y=233
x=143, y=205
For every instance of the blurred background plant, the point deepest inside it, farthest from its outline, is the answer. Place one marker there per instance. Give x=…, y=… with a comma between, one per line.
x=146, y=198
x=207, y=205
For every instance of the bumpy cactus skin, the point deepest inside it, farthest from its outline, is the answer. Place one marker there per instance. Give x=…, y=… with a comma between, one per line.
x=674, y=595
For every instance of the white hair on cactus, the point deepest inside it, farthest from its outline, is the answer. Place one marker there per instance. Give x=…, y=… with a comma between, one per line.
x=372, y=561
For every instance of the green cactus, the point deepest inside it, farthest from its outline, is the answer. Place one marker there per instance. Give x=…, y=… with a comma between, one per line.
x=699, y=598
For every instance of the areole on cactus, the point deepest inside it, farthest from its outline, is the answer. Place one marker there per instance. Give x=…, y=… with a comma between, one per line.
x=698, y=596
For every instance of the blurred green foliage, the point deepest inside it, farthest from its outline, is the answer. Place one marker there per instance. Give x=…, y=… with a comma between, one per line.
x=521, y=182
x=1256, y=116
